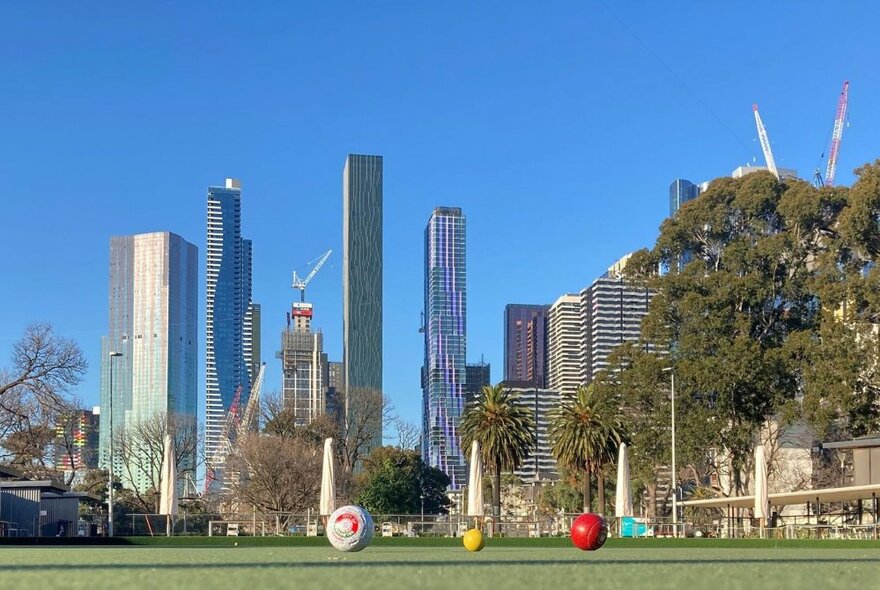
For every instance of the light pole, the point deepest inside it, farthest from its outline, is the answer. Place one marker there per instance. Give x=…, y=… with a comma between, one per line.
x=113, y=355
x=674, y=475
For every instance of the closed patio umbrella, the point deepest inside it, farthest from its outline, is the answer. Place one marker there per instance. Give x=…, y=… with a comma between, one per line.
x=168, y=484
x=475, y=483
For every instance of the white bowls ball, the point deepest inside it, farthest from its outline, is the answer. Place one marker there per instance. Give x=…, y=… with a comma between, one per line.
x=350, y=528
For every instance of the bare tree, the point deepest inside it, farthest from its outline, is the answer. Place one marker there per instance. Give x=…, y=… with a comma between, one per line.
x=140, y=447
x=44, y=365
x=367, y=414
x=275, y=473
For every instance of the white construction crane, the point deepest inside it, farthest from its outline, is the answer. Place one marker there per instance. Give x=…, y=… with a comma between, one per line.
x=300, y=284
x=252, y=409
x=765, y=143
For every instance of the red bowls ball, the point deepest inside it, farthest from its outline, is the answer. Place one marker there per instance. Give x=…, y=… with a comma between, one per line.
x=589, y=531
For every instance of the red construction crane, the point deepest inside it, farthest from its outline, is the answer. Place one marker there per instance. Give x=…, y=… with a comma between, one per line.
x=837, y=135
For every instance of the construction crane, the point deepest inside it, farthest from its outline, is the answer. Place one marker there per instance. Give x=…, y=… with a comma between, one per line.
x=300, y=284
x=251, y=410
x=238, y=424
x=837, y=134
x=765, y=143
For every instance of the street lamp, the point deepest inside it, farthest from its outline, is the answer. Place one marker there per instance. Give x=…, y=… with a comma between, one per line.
x=674, y=475
x=112, y=355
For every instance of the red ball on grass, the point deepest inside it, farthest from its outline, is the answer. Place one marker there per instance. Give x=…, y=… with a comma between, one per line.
x=589, y=531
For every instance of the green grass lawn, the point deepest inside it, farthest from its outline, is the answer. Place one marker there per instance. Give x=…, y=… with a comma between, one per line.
x=386, y=567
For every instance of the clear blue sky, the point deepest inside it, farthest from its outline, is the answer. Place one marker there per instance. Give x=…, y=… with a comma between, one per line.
x=557, y=128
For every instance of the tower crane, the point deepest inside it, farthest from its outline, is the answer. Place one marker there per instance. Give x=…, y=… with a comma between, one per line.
x=765, y=143
x=837, y=134
x=300, y=283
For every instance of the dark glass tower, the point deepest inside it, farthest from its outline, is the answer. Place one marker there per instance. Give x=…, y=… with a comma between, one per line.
x=445, y=342
x=680, y=192
x=525, y=343
x=362, y=291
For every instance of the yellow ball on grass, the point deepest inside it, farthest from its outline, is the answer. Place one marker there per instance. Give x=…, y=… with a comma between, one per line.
x=473, y=540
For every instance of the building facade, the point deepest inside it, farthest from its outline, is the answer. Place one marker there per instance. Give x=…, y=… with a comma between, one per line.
x=303, y=367
x=525, y=343
x=565, y=344
x=613, y=310
x=477, y=376
x=76, y=441
x=540, y=465
x=232, y=352
x=152, y=322
x=680, y=192
x=362, y=290
x=445, y=342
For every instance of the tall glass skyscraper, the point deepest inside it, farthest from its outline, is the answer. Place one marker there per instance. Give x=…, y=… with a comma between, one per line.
x=232, y=351
x=445, y=343
x=525, y=343
x=362, y=292
x=153, y=322
x=680, y=192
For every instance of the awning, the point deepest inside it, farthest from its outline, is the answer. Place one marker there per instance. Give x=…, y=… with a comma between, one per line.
x=823, y=495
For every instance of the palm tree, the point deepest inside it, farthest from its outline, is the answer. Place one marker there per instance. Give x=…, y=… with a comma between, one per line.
x=505, y=431
x=586, y=431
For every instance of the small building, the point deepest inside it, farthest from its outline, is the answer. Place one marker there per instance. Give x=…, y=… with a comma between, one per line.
x=38, y=508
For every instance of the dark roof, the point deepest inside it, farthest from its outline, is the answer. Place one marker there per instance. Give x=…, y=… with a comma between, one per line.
x=44, y=485
x=6, y=471
x=863, y=442
x=86, y=496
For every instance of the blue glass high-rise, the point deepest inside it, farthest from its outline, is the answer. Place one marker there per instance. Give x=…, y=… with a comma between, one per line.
x=444, y=372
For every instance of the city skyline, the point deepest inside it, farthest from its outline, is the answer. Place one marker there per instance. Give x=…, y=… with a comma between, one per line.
x=574, y=203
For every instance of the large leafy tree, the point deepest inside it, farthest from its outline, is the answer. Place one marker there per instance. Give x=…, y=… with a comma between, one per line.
x=398, y=481
x=586, y=431
x=505, y=430
x=774, y=313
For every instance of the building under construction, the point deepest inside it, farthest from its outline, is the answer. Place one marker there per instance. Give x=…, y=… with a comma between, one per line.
x=303, y=362
x=304, y=366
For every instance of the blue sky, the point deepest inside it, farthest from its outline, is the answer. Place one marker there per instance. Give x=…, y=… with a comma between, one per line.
x=557, y=128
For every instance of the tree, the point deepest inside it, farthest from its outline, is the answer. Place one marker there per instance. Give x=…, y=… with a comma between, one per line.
x=505, y=431
x=774, y=315
x=140, y=449
x=276, y=473
x=398, y=481
x=586, y=432
x=44, y=365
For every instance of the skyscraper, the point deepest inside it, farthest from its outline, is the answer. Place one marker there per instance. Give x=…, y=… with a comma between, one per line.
x=540, y=463
x=302, y=363
x=153, y=321
x=77, y=441
x=232, y=320
x=680, y=192
x=477, y=375
x=525, y=342
x=565, y=344
x=445, y=342
x=362, y=291
x=613, y=311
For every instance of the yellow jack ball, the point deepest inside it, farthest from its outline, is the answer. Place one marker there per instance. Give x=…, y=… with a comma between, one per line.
x=474, y=540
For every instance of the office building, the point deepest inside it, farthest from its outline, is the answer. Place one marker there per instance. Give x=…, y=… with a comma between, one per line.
x=613, y=310
x=76, y=441
x=540, y=465
x=565, y=344
x=525, y=343
x=445, y=332
x=680, y=192
x=152, y=322
x=362, y=289
x=232, y=319
x=477, y=376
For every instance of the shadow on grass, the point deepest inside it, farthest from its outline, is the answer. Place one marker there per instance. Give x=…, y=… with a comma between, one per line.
x=424, y=563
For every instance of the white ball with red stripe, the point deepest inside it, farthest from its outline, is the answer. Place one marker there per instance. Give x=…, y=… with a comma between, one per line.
x=350, y=528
